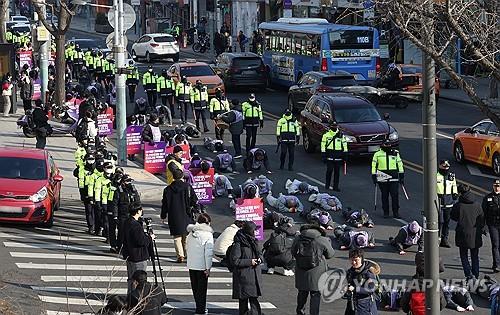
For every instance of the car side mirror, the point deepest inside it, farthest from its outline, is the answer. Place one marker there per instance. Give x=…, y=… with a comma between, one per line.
x=468, y=130
x=58, y=178
x=387, y=116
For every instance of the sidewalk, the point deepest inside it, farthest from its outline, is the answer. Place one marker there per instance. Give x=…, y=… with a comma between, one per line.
x=458, y=95
x=62, y=149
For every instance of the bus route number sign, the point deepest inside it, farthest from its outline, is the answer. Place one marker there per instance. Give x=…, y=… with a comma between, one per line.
x=363, y=40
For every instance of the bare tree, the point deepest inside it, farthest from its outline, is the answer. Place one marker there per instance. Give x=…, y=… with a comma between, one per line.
x=64, y=11
x=4, y=6
x=475, y=23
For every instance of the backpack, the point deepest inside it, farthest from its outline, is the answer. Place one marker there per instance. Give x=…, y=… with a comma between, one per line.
x=379, y=288
x=81, y=130
x=276, y=243
x=417, y=303
x=307, y=253
x=227, y=260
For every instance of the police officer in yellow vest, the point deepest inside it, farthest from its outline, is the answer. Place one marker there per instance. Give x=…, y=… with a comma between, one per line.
x=388, y=173
x=334, y=154
x=99, y=209
x=98, y=66
x=109, y=72
x=90, y=182
x=78, y=60
x=287, y=133
x=149, y=84
x=199, y=99
x=132, y=80
x=218, y=106
x=174, y=163
x=165, y=87
x=252, y=119
x=8, y=36
x=68, y=53
x=85, y=179
x=183, y=95
x=105, y=191
x=89, y=62
x=447, y=192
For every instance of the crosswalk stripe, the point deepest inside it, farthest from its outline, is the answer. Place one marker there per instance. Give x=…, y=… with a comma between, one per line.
x=66, y=238
x=56, y=229
x=111, y=279
x=86, y=248
x=123, y=291
x=117, y=268
x=66, y=313
x=179, y=305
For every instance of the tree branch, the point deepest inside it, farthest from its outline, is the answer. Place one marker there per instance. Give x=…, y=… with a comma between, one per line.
x=52, y=30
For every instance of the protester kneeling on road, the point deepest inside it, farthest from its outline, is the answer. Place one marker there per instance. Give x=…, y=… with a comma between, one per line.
x=277, y=249
x=199, y=249
x=226, y=238
x=272, y=219
x=311, y=248
x=457, y=298
x=256, y=158
x=298, y=187
x=353, y=239
x=326, y=202
x=409, y=235
x=357, y=218
x=285, y=203
x=212, y=145
x=361, y=284
x=224, y=163
x=265, y=184
x=222, y=186
x=321, y=218
x=145, y=298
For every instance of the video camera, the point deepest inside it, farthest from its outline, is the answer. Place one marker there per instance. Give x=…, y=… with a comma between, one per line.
x=148, y=222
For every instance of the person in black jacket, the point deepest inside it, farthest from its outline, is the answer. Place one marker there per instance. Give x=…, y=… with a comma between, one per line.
x=127, y=197
x=151, y=133
x=278, y=248
x=145, y=299
x=42, y=127
x=26, y=90
x=178, y=201
x=234, y=118
x=136, y=244
x=469, y=231
x=247, y=273
x=491, y=209
x=361, y=283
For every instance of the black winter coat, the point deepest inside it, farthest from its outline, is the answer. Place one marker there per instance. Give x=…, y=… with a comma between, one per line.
x=491, y=209
x=363, y=279
x=147, y=133
x=40, y=118
x=178, y=200
x=470, y=222
x=284, y=258
x=26, y=89
x=136, y=243
x=247, y=279
x=151, y=297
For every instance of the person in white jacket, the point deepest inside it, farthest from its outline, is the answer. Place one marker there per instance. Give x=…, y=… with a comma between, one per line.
x=199, y=247
x=226, y=238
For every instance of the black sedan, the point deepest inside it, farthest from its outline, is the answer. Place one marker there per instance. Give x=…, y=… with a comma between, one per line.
x=241, y=69
x=315, y=82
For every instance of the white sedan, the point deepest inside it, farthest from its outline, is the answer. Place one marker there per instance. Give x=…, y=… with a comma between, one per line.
x=20, y=19
x=158, y=45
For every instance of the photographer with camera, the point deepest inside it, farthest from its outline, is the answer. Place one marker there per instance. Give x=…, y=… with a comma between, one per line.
x=178, y=202
x=127, y=197
x=136, y=244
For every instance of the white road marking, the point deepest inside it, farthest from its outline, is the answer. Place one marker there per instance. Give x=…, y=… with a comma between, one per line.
x=118, y=268
x=123, y=291
x=444, y=135
x=85, y=248
x=109, y=279
x=66, y=238
x=66, y=313
x=55, y=229
x=474, y=171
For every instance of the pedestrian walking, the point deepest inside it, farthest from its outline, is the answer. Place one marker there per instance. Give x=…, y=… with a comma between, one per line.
x=287, y=134
x=242, y=41
x=388, y=173
x=491, y=208
x=149, y=84
x=132, y=80
x=218, y=106
x=447, y=194
x=128, y=197
x=199, y=249
x=247, y=272
x=361, y=284
x=7, y=94
x=183, y=96
x=219, y=43
x=26, y=90
x=136, y=245
x=470, y=228
x=199, y=99
x=334, y=152
x=252, y=119
x=42, y=127
x=234, y=118
x=178, y=202
x=310, y=249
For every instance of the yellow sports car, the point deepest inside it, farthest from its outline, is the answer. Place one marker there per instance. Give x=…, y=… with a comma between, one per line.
x=479, y=144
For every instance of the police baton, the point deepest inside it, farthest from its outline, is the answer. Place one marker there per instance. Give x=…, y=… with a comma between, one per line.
x=375, y=210
x=405, y=192
x=345, y=168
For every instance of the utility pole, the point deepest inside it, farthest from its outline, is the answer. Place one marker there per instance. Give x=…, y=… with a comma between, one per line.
x=431, y=208
x=121, y=104
x=44, y=53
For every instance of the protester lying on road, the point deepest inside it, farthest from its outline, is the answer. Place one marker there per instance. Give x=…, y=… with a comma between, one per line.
x=285, y=203
x=408, y=235
x=273, y=219
x=353, y=239
x=357, y=218
x=298, y=187
x=326, y=202
x=321, y=218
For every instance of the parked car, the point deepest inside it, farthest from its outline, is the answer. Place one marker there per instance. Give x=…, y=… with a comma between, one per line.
x=194, y=70
x=20, y=19
x=315, y=82
x=156, y=46
x=21, y=28
x=358, y=119
x=411, y=79
x=30, y=186
x=241, y=69
x=86, y=44
x=479, y=144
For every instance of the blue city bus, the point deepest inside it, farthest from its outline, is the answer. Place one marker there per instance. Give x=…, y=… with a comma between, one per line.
x=295, y=46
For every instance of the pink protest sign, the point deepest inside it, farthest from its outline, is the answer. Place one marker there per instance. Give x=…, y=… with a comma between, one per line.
x=105, y=122
x=202, y=185
x=134, y=139
x=154, y=157
x=252, y=210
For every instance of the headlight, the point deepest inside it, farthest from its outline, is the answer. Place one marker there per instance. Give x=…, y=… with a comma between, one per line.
x=350, y=139
x=40, y=195
x=393, y=136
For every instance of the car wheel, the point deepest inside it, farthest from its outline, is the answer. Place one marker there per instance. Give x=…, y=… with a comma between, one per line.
x=134, y=56
x=50, y=222
x=148, y=57
x=496, y=164
x=308, y=145
x=458, y=152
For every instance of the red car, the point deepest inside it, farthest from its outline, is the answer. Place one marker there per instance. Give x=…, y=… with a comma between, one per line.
x=30, y=186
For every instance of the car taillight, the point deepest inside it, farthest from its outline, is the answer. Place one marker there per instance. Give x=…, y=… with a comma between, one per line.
x=324, y=89
x=378, y=65
x=324, y=64
x=154, y=45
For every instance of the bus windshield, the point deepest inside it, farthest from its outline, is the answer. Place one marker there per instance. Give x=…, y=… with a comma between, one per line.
x=351, y=39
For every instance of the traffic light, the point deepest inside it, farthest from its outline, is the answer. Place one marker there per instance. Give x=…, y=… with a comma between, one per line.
x=210, y=5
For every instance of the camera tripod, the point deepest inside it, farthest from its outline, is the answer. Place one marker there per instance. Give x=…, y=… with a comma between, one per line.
x=155, y=259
